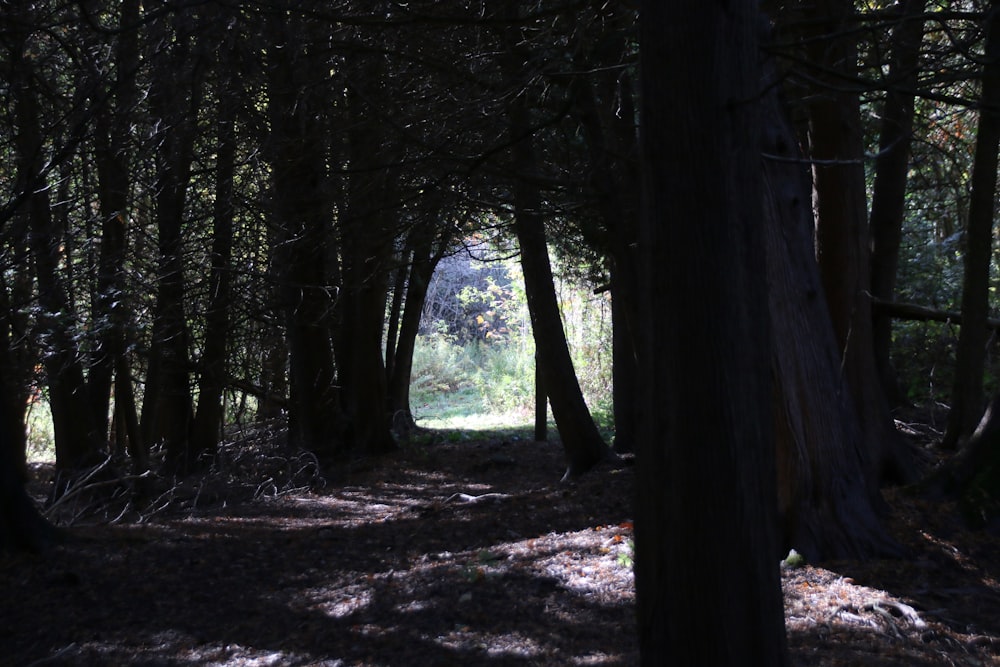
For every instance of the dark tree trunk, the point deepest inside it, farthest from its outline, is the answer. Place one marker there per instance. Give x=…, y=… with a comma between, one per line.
x=541, y=404
x=77, y=442
x=704, y=458
x=842, y=236
x=366, y=240
x=22, y=528
x=18, y=357
x=111, y=153
x=973, y=475
x=828, y=496
x=606, y=113
x=580, y=438
x=207, y=427
x=301, y=212
x=175, y=99
x=889, y=190
x=967, y=398
x=425, y=260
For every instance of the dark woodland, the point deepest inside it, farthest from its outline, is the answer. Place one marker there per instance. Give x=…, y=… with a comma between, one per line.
x=224, y=229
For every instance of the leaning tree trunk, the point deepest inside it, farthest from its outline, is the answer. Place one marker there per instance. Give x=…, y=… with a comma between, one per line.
x=889, y=189
x=827, y=491
x=967, y=394
x=705, y=460
x=580, y=437
x=605, y=106
x=420, y=272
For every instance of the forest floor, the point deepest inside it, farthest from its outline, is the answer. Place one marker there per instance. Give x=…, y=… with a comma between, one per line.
x=456, y=551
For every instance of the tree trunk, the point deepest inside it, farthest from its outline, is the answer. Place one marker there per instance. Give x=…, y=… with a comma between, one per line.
x=606, y=114
x=301, y=212
x=967, y=394
x=973, y=475
x=111, y=155
x=207, y=427
x=706, y=516
x=828, y=494
x=842, y=237
x=541, y=404
x=175, y=99
x=889, y=190
x=22, y=528
x=77, y=442
x=581, y=440
x=424, y=261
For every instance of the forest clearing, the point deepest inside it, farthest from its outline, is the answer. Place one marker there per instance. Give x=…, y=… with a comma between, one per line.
x=451, y=551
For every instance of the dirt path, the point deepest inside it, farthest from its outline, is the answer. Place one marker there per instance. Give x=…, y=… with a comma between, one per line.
x=444, y=554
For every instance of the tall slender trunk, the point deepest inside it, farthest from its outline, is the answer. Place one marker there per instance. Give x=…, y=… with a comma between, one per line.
x=112, y=156
x=967, y=400
x=425, y=260
x=207, y=426
x=581, y=440
x=889, y=189
x=301, y=213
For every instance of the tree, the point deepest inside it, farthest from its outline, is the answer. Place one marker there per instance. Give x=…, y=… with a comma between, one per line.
x=889, y=186
x=581, y=440
x=967, y=395
x=842, y=236
x=21, y=525
x=706, y=516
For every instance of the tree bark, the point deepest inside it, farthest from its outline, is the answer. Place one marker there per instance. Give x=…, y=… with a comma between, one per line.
x=828, y=496
x=967, y=400
x=706, y=515
x=842, y=235
x=889, y=189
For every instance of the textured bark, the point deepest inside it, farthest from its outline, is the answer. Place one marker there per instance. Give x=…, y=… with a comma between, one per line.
x=967, y=399
x=828, y=496
x=705, y=532
x=112, y=157
x=889, y=189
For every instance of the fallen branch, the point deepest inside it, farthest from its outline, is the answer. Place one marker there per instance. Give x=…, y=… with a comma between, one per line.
x=911, y=311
